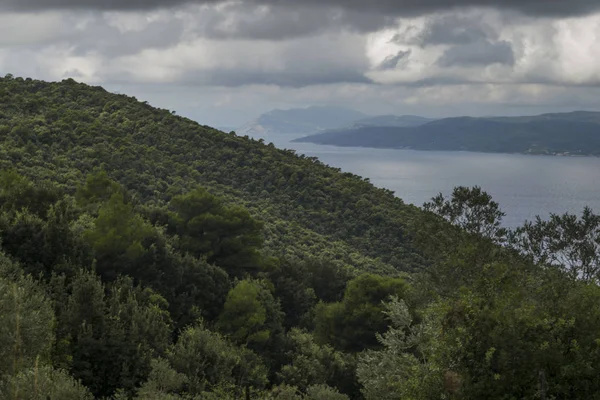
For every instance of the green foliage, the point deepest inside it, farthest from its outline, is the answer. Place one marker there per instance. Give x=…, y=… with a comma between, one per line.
x=226, y=236
x=98, y=189
x=251, y=314
x=352, y=324
x=22, y=234
x=405, y=367
x=316, y=392
x=299, y=285
x=130, y=222
x=312, y=364
x=18, y=193
x=111, y=334
x=505, y=340
x=35, y=224
x=323, y=392
x=192, y=287
x=119, y=236
x=163, y=382
x=26, y=322
x=205, y=362
x=244, y=316
x=76, y=130
x=565, y=242
x=284, y=392
x=471, y=209
x=43, y=383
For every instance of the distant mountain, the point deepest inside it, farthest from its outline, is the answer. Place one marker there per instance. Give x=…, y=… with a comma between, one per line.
x=300, y=121
x=576, y=133
x=392, y=120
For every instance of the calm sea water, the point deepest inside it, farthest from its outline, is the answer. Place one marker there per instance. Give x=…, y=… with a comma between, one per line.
x=525, y=186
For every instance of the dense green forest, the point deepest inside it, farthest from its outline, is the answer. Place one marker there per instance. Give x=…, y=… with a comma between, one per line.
x=576, y=133
x=144, y=256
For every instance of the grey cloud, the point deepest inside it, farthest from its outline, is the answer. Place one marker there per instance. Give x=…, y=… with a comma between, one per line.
x=244, y=20
x=387, y=7
x=37, y=5
x=289, y=79
x=481, y=53
x=238, y=77
x=454, y=29
x=235, y=21
x=96, y=36
x=395, y=61
x=297, y=63
x=448, y=29
x=99, y=45
x=107, y=40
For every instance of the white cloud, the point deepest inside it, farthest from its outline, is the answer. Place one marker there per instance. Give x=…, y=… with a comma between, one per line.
x=558, y=52
x=578, y=46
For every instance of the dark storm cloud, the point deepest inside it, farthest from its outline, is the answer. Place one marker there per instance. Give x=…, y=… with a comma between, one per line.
x=388, y=7
x=110, y=42
x=481, y=53
x=448, y=29
x=454, y=29
x=243, y=20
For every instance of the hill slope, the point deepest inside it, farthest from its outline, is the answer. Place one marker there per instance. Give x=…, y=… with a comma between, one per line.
x=575, y=133
x=122, y=275
x=62, y=131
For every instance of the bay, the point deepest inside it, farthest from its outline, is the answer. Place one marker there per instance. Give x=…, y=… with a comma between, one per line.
x=523, y=185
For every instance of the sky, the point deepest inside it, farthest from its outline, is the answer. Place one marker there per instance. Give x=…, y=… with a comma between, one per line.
x=223, y=63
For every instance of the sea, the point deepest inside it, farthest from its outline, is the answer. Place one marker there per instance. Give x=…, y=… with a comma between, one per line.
x=525, y=186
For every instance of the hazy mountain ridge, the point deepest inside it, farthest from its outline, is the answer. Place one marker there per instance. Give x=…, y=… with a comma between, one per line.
x=300, y=121
x=315, y=119
x=575, y=133
x=393, y=120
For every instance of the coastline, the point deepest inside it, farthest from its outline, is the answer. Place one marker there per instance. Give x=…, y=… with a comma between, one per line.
x=526, y=153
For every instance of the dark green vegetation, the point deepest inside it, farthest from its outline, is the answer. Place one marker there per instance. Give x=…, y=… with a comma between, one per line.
x=576, y=133
x=144, y=256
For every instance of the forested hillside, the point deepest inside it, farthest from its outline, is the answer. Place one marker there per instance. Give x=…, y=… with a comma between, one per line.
x=144, y=256
x=62, y=132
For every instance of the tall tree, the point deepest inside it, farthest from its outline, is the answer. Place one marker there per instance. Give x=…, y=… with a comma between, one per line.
x=43, y=383
x=352, y=324
x=405, y=367
x=566, y=242
x=225, y=235
x=26, y=321
x=110, y=334
x=119, y=237
x=203, y=363
x=471, y=209
x=251, y=315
